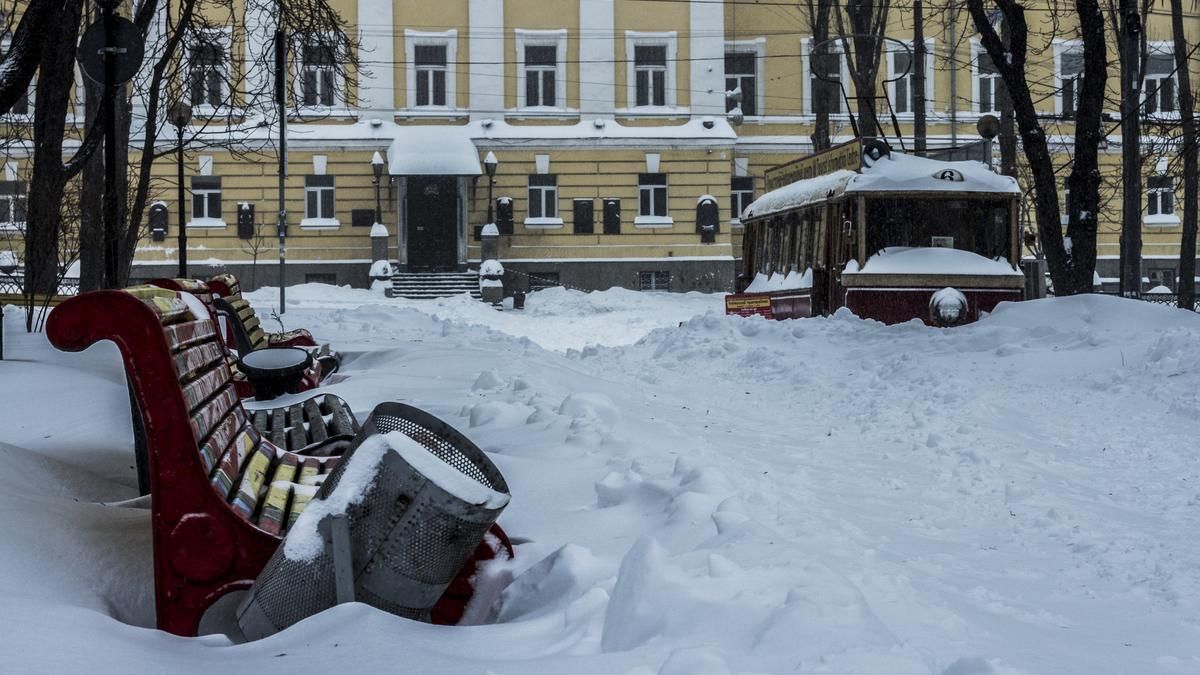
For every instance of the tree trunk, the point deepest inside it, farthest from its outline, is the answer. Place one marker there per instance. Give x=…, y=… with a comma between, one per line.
x=1072, y=261
x=1008, y=127
x=868, y=23
x=918, y=65
x=91, y=224
x=1191, y=172
x=1128, y=48
x=818, y=17
x=48, y=178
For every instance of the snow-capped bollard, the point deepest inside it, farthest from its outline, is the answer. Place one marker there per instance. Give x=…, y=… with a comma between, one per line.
x=948, y=307
x=491, y=281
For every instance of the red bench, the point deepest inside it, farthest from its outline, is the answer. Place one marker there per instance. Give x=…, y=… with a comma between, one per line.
x=222, y=495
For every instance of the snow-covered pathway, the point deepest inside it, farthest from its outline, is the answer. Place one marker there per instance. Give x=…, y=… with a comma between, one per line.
x=725, y=495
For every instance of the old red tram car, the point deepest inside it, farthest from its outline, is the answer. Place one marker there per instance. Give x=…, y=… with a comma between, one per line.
x=889, y=236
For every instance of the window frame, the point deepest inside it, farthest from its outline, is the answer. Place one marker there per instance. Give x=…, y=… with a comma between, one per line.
x=320, y=185
x=19, y=192
x=977, y=49
x=930, y=93
x=337, y=79
x=557, y=38
x=808, y=88
x=739, y=196
x=547, y=194
x=658, y=195
x=758, y=48
x=447, y=39
x=222, y=39
x=206, y=193
x=667, y=39
x=653, y=276
x=1160, y=49
x=1158, y=196
x=1062, y=107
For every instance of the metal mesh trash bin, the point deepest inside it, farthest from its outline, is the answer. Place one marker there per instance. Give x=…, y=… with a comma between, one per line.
x=408, y=536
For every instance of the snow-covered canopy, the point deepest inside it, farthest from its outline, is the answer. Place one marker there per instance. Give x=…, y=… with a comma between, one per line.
x=925, y=260
x=799, y=193
x=433, y=150
x=908, y=173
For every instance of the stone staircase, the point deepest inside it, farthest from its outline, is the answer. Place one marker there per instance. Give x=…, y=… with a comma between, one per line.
x=418, y=285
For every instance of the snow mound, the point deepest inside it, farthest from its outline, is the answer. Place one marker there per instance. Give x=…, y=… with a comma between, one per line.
x=929, y=260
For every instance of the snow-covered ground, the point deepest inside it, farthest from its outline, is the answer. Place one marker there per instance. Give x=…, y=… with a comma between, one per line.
x=728, y=495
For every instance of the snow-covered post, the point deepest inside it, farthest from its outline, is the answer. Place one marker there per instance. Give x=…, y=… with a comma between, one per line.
x=381, y=269
x=491, y=272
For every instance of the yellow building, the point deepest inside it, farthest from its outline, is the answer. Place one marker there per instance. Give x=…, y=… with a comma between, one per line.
x=608, y=119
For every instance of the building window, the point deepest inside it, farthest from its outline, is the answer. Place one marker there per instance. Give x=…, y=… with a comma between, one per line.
x=741, y=74
x=13, y=204
x=430, y=68
x=1160, y=195
x=543, y=197
x=1065, y=216
x=1163, y=278
x=1070, y=75
x=825, y=79
x=1159, y=86
x=741, y=191
x=541, y=75
x=207, y=70
x=319, y=73
x=654, y=281
x=652, y=195
x=319, y=199
x=987, y=82
x=206, y=201
x=650, y=69
x=903, y=85
x=321, y=278
x=430, y=62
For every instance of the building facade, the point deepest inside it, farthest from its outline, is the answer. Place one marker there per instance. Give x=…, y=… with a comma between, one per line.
x=610, y=123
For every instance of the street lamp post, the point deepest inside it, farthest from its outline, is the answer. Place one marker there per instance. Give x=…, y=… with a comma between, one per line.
x=181, y=116
x=377, y=167
x=489, y=164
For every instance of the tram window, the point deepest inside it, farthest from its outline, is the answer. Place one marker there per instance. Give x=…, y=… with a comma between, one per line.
x=977, y=225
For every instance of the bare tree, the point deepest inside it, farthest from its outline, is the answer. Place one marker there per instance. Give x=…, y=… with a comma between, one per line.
x=1191, y=172
x=868, y=26
x=1071, y=258
x=818, y=14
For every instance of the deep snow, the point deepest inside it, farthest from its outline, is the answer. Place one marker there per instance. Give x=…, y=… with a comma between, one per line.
x=727, y=495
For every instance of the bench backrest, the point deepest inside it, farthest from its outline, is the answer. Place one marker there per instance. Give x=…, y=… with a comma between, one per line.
x=194, y=421
x=230, y=290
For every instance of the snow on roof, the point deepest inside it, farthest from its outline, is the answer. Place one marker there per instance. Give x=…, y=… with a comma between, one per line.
x=433, y=150
x=711, y=129
x=927, y=260
x=904, y=173
x=799, y=193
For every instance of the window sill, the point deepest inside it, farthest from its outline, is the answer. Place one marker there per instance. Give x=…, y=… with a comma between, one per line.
x=1161, y=221
x=206, y=224
x=309, y=112
x=541, y=111
x=653, y=111
x=654, y=221
x=737, y=224
x=320, y=224
x=544, y=223
x=17, y=226
x=431, y=111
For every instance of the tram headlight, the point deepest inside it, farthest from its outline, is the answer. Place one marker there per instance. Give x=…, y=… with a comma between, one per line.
x=948, y=307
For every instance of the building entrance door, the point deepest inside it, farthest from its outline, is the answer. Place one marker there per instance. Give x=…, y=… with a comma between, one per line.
x=431, y=205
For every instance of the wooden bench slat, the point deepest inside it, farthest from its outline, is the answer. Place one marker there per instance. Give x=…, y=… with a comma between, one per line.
x=341, y=422
x=295, y=425
x=253, y=478
x=316, y=421
x=230, y=468
x=184, y=335
x=197, y=394
x=213, y=449
x=206, y=418
x=275, y=508
x=278, y=430
x=197, y=359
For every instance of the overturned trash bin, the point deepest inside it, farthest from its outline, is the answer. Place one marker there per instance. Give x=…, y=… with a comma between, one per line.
x=391, y=526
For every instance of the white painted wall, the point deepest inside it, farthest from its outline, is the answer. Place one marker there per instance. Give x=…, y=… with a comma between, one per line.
x=597, y=87
x=376, y=90
x=707, y=37
x=485, y=37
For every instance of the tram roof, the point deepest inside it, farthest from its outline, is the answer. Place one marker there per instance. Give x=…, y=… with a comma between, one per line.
x=892, y=174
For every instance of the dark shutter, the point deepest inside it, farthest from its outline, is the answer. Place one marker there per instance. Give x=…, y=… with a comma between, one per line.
x=584, y=216
x=245, y=221
x=504, y=215
x=612, y=216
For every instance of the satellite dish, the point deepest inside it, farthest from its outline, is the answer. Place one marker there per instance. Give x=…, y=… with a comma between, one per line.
x=988, y=127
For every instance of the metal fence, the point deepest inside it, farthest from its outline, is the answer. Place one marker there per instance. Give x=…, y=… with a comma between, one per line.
x=1171, y=299
x=14, y=284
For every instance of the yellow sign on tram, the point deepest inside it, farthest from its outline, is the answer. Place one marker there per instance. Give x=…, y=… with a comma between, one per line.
x=845, y=156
